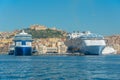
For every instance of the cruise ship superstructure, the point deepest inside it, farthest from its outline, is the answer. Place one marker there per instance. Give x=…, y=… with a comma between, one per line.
x=23, y=44
x=88, y=43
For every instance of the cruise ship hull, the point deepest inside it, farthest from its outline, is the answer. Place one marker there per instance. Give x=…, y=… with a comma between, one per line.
x=92, y=50
x=23, y=51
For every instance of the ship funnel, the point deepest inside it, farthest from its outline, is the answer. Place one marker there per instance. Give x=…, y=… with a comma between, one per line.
x=23, y=32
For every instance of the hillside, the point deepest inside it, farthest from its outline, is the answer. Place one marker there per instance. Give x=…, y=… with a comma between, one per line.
x=48, y=33
x=114, y=41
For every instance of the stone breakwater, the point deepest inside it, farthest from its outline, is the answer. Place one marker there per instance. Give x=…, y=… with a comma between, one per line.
x=114, y=41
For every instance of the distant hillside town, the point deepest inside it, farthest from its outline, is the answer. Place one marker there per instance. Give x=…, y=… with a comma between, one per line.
x=45, y=39
x=48, y=40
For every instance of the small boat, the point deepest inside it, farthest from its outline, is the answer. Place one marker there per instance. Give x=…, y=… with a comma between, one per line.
x=11, y=50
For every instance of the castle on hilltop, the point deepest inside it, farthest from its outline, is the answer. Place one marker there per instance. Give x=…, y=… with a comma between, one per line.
x=40, y=27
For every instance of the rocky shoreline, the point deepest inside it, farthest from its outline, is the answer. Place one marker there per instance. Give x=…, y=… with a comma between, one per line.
x=114, y=41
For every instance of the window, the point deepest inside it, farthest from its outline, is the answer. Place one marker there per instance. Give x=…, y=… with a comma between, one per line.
x=28, y=43
x=18, y=43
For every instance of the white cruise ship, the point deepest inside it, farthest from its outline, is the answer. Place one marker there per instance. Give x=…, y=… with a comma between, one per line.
x=87, y=42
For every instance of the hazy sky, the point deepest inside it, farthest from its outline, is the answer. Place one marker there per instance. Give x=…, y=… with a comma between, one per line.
x=98, y=16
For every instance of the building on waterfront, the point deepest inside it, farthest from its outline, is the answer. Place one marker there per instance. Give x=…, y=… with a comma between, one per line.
x=45, y=50
x=50, y=45
x=6, y=40
x=62, y=48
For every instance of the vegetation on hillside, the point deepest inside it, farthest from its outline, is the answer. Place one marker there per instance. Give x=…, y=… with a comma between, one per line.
x=48, y=33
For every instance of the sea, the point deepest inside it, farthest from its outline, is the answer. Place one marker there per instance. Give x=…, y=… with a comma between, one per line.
x=92, y=67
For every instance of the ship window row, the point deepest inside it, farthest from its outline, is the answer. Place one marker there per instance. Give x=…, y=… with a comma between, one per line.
x=23, y=43
x=26, y=37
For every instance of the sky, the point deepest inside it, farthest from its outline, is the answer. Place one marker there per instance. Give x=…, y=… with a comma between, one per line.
x=97, y=16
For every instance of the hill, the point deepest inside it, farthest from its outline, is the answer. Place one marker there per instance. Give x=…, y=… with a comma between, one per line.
x=48, y=33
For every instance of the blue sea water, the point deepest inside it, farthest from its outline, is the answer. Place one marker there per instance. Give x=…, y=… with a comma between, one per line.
x=60, y=67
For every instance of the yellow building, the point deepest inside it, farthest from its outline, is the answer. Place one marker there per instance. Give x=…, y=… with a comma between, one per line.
x=6, y=40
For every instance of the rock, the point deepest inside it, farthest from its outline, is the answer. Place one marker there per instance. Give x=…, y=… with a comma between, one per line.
x=114, y=41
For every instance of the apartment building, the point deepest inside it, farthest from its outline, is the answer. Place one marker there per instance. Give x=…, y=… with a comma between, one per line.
x=50, y=45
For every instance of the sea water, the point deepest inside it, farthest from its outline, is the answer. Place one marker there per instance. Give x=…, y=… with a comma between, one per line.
x=60, y=67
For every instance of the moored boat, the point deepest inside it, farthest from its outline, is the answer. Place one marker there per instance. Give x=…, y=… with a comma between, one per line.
x=11, y=49
x=88, y=43
x=23, y=44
